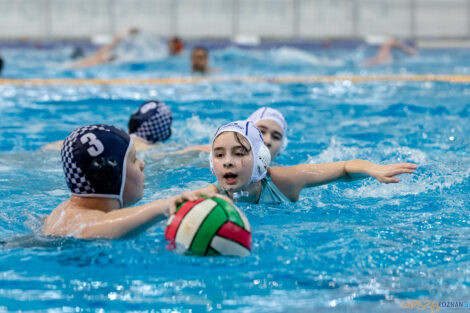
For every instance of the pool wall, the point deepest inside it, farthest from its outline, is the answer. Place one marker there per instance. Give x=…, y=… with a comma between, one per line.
x=282, y=19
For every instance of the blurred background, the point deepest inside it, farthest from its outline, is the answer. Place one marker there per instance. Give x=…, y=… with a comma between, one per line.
x=428, y=21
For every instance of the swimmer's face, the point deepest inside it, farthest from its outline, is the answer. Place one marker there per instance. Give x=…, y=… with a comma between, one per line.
x=134, y=186
x=199, y=60
x=272, y=136
x=232, y=160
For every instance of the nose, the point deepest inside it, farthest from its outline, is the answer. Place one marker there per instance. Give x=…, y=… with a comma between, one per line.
x=228, y=161
x=142, y=165
x=267, y=140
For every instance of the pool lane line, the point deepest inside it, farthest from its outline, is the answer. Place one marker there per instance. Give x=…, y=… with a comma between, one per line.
x=247, y=79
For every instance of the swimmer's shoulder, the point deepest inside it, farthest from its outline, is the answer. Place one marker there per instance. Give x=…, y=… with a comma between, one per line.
x=143, y=146
x=54, y=223
x=67, y=219
x=56, y=145
x=285, y=179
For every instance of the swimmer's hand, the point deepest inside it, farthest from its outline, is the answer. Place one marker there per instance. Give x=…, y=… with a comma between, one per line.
x=193, y=196
x=387, y=173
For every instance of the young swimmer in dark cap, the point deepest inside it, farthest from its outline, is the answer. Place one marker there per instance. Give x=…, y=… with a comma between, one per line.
x=105, y=176
x=150, y=124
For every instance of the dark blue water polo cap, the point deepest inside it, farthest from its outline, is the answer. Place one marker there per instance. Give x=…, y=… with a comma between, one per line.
x=94, y=158
x=151, y=122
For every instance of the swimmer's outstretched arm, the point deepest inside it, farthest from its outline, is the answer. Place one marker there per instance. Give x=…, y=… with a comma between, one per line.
x=118, y=223
x=203, y=148
x=291, y=180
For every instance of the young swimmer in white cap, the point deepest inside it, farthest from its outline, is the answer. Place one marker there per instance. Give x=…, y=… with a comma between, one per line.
x=149, y=125
x=272, y=125
x=104, y=176
x=240, y=161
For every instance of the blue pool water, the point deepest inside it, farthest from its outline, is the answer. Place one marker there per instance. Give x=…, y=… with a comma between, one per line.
x=344, y=247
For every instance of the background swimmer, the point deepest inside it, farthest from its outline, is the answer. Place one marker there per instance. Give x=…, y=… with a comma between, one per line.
x=105, y=54
x=175, y=46
x=200, y=61
x=273, y=127
x=104, y=175
x=150, y=124
x=240, y=162
x=1, y=65
x=384, y=54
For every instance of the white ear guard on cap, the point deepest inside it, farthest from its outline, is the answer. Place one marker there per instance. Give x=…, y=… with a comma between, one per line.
x=263, y=161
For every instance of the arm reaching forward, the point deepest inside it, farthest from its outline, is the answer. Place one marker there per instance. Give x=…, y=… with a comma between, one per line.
x=291, y=180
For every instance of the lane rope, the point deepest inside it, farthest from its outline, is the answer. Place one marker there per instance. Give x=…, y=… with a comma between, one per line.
x=248, y=79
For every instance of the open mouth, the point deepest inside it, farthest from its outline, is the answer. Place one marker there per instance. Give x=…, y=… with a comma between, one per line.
x=230, y=178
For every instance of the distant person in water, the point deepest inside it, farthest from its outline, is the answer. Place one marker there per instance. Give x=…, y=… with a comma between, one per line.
x=1, y=65
x=384, y=55
x=105, y=54
x=149, y=125
x=200, y=60
x=175, y=46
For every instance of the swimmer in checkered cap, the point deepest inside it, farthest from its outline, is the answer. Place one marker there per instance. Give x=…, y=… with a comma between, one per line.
x=151, y=123
x=104, y=176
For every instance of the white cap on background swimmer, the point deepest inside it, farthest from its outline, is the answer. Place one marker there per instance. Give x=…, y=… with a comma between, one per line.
x=151, y=122
x=266, y=113
x=94, y=159
x=261, y=155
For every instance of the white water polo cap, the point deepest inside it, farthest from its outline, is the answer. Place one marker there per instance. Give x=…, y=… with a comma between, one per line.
x=266, y=113
x=152, y=122
x=261, y=155
x=94, y=159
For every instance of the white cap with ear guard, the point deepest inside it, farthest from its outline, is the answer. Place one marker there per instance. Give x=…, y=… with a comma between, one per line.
x=261, y=155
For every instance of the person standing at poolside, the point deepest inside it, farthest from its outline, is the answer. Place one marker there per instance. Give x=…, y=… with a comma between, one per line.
x=105, y=176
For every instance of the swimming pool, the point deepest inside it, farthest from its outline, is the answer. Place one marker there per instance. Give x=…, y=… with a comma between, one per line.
x=357, y=247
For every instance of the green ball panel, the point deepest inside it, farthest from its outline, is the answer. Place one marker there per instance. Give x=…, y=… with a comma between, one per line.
x=231, y=211
x=207, y=230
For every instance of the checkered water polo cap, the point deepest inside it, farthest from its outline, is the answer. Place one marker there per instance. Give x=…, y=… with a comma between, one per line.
x=152, y=122
x=261, y=155
x=266, y=113
x=94, y=159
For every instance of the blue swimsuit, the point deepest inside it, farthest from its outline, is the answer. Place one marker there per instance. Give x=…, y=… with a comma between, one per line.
x=270, y=194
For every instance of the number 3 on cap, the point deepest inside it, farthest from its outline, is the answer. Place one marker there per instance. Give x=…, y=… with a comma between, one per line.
x=96, y=147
